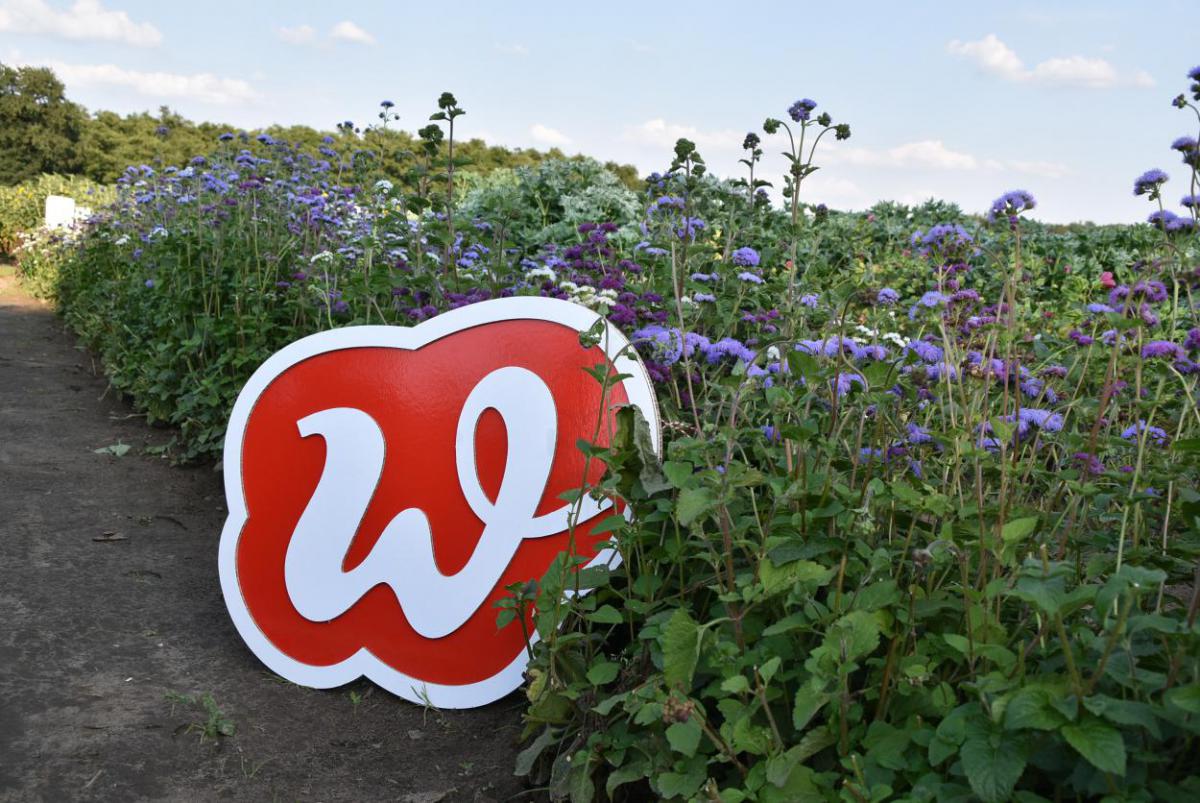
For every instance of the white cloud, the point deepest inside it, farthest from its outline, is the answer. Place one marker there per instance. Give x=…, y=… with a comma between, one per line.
x=922, y=153
x=514, y=49
x=300, y=35
x=996, y=58
x=548, y=136
x=85, y=19
x=158, y=85
x=992, y=56
x=661, y=134
x=349, y=32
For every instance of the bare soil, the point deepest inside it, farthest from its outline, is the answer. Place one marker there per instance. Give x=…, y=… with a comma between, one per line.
x=113, y=630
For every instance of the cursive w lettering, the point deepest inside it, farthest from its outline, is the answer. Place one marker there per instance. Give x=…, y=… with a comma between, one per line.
x=434, y=603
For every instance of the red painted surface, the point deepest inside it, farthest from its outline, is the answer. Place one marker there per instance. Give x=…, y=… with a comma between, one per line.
x=416, y=398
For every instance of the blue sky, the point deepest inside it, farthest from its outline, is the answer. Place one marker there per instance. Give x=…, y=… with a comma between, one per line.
x=961, y=101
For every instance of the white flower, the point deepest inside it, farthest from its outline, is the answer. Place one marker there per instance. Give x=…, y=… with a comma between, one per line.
x=324, y=256
x=539, y=273
x=124, y=238
x=773, y=353
x=383, y=185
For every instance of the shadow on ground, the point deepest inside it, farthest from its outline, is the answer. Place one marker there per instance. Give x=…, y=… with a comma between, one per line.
x=112, y=620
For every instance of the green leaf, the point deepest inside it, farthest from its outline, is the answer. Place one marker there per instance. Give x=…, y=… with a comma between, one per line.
x=117, y=449
x=1017, y=530
x=735, y=684
x=809, y=700
x=581, y=785
x=993, y=765
x=684, y=783
x=1186, y=698
x=626, y=773
x=1124, y=712
x=855, y=634
x=692, y=504
x=603, y=672
x=605, y=615
x=1100, y=744
x=887, y=745
x=777, y=579
x=1030, y=708
x=678, y=472
x=680, y=646
x=684, y=737
x=527, y=757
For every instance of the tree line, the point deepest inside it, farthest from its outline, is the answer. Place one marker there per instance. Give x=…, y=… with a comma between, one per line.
x=43, y=131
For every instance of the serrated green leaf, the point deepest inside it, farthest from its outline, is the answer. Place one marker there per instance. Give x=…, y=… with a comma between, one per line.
x=605, y=615
x=1099, y=743
x=680, y=645
x=1017, y=530
x=778, y=579
x=992, y=766
x=603, y=672
x=692, y=504
x=684, y=737
x=809, y=700
x=679, y=473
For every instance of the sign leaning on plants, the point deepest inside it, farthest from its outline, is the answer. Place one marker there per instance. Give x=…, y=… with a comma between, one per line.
x=386, y=484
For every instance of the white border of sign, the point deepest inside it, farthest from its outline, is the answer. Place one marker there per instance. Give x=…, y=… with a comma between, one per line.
x=363, y=663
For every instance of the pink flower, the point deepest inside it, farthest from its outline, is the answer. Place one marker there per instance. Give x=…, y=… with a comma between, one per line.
x=1107, y=281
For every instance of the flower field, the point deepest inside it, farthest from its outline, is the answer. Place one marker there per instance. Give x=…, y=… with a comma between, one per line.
x=926, y=526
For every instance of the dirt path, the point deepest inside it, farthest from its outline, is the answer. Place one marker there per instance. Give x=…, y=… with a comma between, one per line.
x=97, y=636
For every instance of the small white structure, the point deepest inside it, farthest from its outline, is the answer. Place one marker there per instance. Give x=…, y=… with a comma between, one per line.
x=60, y=211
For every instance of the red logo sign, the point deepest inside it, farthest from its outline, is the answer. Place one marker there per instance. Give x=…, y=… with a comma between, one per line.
x=385, y=484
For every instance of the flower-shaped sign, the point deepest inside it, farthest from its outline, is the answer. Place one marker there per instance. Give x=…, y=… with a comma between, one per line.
x=385, y=484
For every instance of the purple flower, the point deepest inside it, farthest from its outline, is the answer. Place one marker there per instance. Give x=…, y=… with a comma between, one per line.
x=1156, y=434
x=745, y=258
x=1164, y=219
x=926, y=351
x=1192, y=341
x=701, y=298
x=689, y=228
x=703, y=277
x=918, y=434
x=1011, y=204
x=728, y=347
x=887, y=296
x=771, y=434
x=150, y=283
x=753, y=278
x=801, y=110
x=1184, y=144
x=1089, y=463
x=1099, y=308
x=1162, y=348
x=843, y=383
x=1042, y=419
x=809, y=300
x=664, y=345
x=1149, y=182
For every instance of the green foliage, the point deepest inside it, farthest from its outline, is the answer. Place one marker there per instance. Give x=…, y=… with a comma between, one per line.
x=39, y=128
x=546, y=202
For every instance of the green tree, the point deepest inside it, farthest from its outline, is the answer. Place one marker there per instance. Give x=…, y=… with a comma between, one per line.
x=39, y=127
